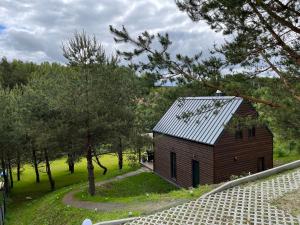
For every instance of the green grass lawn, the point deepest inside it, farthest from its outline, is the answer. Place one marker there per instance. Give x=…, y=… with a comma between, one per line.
x=280, y=160
x=140, y=188
x=47, y=207
x=284, y=152
x=131, y=189
x=146, y=192
x=61, y=175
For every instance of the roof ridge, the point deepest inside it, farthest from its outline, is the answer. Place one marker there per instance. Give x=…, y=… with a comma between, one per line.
x=207, y=97
x=204, y=127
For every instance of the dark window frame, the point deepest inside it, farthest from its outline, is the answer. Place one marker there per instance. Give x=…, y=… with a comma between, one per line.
x=173, y=165
x=252, y=132
x=239, y=134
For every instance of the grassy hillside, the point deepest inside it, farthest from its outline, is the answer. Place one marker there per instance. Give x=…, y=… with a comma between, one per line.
x=46, y=207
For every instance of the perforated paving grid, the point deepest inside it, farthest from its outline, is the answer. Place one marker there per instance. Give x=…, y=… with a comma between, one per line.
x=247, y=204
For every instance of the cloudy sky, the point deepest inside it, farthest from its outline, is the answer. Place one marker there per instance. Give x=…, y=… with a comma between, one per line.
x=35, y=29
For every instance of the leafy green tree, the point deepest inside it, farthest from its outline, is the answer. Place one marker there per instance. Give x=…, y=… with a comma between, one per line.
x=83, y=51
x=100, y=92
x=265, y=38
x=10, y=139
x=122, y=102
x=265, y=35
x=15, y=73
x=43, y=116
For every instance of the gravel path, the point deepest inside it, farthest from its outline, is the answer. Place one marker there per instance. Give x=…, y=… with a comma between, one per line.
x=70, y=200
x=148, y=207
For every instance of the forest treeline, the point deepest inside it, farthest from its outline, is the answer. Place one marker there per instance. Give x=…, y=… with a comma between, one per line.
x=94, y=104
x=50, y=110
x=80, y=109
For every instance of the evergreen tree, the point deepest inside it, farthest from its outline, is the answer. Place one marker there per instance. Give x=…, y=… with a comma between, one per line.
x=15, y=73
x=266, y=35
x=265, y=38
x=100, y=88
x=264, y=41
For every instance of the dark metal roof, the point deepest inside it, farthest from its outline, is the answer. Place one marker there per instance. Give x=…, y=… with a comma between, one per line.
x=206, y=120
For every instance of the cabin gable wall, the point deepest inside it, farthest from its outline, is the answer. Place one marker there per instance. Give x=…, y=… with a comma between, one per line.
x=234, y=156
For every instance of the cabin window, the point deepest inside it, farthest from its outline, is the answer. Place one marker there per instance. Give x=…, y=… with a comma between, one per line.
x=239, y=134
x=173, y=165
x=251, y=132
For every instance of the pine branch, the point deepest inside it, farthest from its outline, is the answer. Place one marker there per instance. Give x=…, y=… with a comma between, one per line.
x=291, y=53
x=281, y=76
x=286, y=7
x=177, y=69
x=279, y=19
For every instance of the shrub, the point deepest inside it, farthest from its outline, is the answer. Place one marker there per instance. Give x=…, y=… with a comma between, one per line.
x=133, y=160
x=281, y=153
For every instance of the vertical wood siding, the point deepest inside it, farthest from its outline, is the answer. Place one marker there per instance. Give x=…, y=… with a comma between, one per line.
x=239, y=156
x=229, y=156
x=186, y=151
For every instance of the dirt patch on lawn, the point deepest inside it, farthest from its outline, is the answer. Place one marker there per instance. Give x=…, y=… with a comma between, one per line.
x=290, y=203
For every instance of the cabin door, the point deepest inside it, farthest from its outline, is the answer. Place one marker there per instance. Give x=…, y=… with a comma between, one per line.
x=195, y=172
x=260, y=164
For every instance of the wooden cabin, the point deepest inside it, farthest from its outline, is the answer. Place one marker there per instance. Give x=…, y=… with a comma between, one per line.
x=193, y=145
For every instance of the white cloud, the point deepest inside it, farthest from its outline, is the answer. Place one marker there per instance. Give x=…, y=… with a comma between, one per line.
x=35, y=29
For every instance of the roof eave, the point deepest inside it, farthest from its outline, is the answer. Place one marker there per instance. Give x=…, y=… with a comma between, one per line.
x=199, y=142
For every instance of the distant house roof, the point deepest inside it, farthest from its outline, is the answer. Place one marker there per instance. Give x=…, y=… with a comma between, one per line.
x=199, y=119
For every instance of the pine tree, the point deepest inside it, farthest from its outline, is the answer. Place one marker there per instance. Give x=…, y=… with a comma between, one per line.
x=265, y=41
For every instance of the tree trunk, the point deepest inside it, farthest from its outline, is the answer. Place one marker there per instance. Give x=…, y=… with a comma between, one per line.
x=36, y=168
x=48, y=170
x=11, y=179
x=99, y=164
x=6, y=182
x=140, y=155
x=120, y=154
x=90, y=167
x=18, y=166
x=71, y=163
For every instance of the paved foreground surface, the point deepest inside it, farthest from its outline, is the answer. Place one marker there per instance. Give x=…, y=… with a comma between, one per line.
x=248, y=204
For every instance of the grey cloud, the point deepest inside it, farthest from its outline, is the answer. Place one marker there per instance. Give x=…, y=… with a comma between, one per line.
x=146, y=16
x=22, y=40
x=38, y=27
x=191, y=43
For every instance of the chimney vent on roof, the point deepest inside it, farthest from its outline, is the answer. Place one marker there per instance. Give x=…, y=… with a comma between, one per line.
x=219, y=93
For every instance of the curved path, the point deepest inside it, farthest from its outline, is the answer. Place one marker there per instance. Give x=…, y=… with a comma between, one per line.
x=70, y=200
